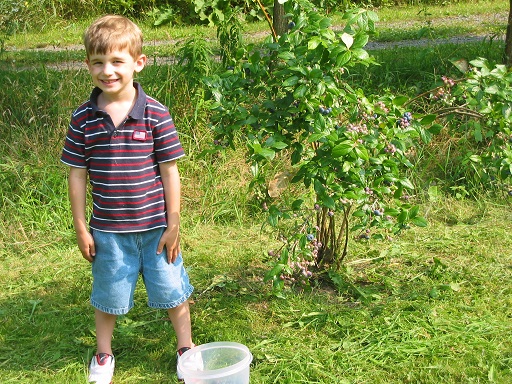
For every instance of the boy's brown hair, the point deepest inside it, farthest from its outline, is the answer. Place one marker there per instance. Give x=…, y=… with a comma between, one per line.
x=112, y=32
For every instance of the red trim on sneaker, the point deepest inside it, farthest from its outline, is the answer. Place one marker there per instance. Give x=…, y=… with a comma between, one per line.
x=102, y=358
x=181, y=351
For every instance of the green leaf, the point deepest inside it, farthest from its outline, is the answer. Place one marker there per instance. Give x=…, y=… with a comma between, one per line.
x=362, y=153
x=274, y=272
x=314, y=42
x=479, y=63
x=343, y=58
x=315, y=137
x=406, y=183
x=328, y=202
x=297, y=204
x=300, y=91
x=373, y=16
x=325, y=23
x=286, y=55
x=359, y=213
x=475, y=158
x=360, y=54
x=413, y=212
x=342, y=149
x=400, y=100
x=316, y=73
x=435, y=129
x=425, y=135
x=291, y=81
x=319, y=123
x=402, y=217
x=428, y=119
x=360, y=40
x=478, y=133
x=493, y=89
x=419, y=221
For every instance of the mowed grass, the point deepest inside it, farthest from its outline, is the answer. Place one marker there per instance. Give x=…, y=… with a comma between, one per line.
x=433, y=306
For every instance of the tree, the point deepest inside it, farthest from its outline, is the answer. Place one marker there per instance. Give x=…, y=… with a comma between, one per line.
x=279, y=19
x=508, y=39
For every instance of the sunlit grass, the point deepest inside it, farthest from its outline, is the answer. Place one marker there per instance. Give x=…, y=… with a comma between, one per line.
x=395, y=23
x=432, y=306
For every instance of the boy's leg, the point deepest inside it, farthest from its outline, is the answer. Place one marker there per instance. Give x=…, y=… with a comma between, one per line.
x=180, y=319
x=105, y=324
x=101, y=368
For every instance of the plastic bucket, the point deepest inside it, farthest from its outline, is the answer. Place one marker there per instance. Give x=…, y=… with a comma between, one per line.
x=220, y=362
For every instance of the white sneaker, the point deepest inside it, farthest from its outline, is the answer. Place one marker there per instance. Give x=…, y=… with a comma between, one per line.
x=101, y=368
x=195, y=362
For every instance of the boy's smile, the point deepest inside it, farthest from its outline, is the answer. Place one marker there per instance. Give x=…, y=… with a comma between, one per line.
x=113, y=72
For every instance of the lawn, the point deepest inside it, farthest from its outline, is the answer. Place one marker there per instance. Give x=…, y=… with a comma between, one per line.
x=433, y=305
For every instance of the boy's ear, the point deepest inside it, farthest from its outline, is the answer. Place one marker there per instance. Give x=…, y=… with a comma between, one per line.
x=140, y=63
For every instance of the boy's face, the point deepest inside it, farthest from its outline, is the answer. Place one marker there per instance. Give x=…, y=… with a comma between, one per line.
x=113, y=72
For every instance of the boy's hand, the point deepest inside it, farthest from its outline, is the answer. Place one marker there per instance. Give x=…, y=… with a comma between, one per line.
x=86, y=245
x=171, y=241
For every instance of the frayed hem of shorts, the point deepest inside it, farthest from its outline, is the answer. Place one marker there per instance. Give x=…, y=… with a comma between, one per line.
x=110, y=311
x=175, y=303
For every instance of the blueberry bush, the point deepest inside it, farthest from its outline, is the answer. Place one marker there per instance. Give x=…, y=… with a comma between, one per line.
x=329, y=162
x=477, y=112
x=345, y=154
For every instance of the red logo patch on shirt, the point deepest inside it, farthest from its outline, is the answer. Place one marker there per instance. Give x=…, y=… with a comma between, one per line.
x=139, y=135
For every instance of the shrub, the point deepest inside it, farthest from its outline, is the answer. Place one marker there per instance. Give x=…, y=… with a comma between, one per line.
x=290, y=104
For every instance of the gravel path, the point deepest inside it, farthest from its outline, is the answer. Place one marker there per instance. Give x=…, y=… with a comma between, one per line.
x=492, y=21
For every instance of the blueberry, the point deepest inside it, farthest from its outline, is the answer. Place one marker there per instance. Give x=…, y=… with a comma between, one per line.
x=310, y=237
x=291, y=25
x=376, y=212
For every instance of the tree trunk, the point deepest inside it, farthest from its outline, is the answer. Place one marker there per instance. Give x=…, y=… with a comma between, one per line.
x=508, y=39
x=279, y=21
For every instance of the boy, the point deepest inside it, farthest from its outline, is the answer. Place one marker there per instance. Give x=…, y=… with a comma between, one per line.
x=127, y=145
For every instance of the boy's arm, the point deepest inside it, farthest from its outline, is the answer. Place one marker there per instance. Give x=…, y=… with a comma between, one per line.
x=172, y=192
x=77, y=189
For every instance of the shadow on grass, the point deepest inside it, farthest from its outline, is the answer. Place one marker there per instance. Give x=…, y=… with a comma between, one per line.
x=47, y=328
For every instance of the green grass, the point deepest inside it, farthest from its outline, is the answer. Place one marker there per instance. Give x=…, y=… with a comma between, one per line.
x=396, y=23
x=433, y=306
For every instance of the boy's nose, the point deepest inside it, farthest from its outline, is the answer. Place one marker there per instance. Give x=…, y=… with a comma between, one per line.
x=108, y=69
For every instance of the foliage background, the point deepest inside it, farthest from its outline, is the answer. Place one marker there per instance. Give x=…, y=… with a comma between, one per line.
x=433, y=306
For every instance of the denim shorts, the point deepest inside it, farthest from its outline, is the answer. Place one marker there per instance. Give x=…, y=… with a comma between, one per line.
x=121, y=257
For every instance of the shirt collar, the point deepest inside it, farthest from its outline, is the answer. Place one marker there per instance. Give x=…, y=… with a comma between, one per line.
x=139, y=106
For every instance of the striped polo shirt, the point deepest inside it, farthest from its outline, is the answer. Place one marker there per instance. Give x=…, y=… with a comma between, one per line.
x=122, y=162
